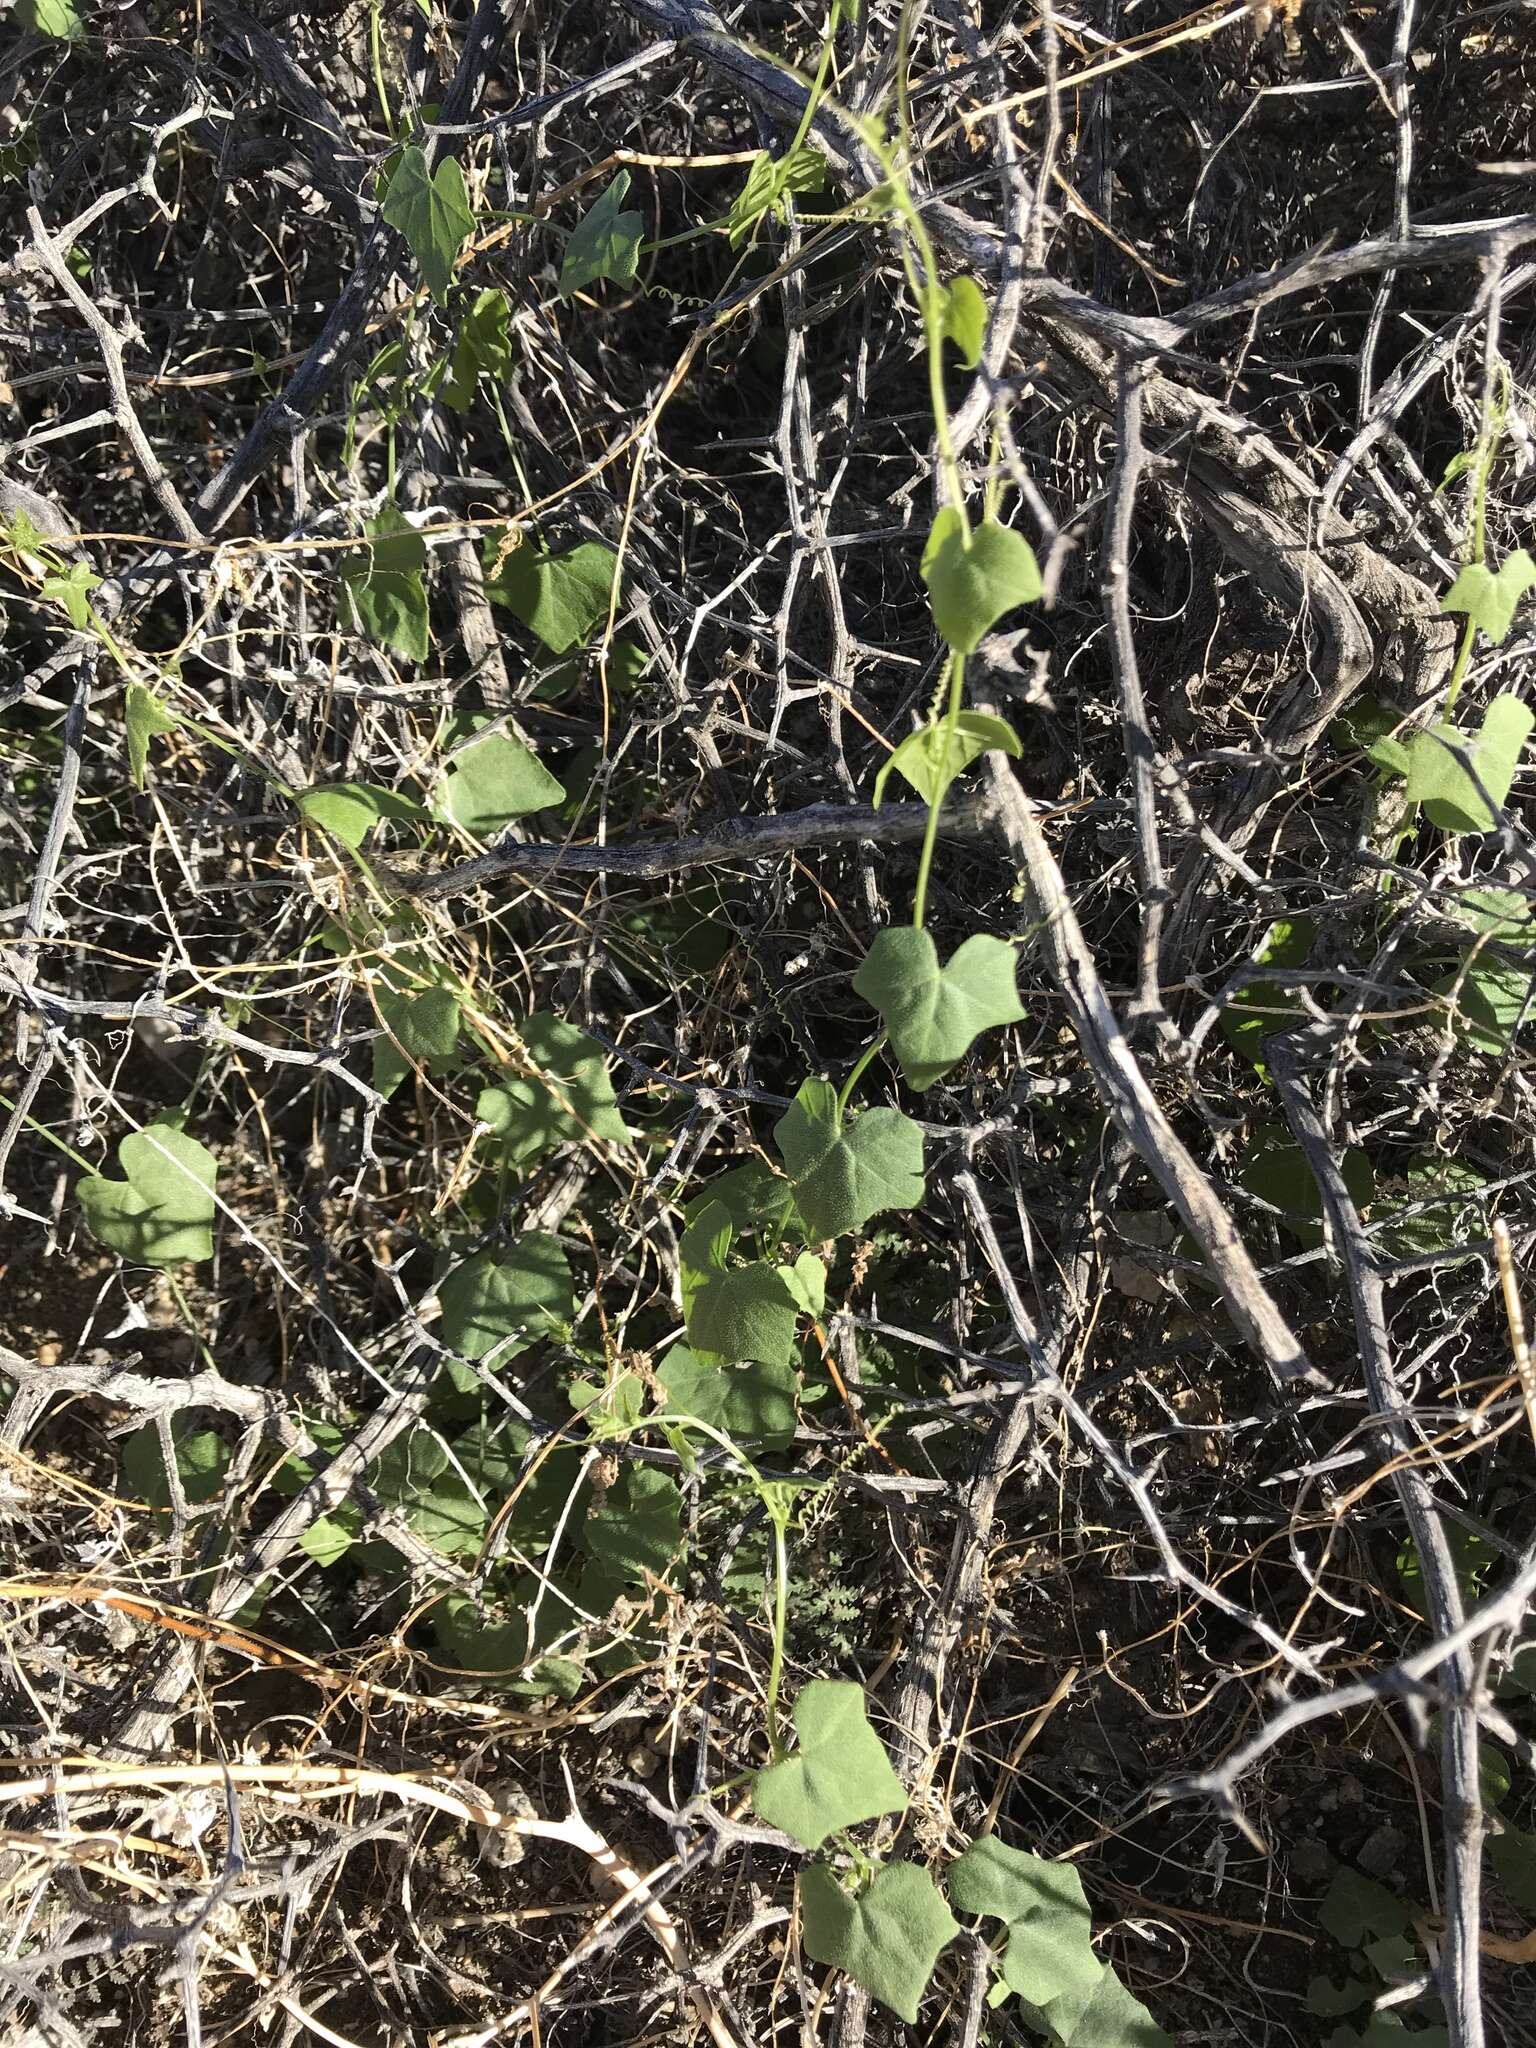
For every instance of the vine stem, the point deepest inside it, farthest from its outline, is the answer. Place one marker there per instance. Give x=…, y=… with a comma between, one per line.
x=931, y=834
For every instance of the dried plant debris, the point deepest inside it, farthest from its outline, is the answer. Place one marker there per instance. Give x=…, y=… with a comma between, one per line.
x=765, y=1144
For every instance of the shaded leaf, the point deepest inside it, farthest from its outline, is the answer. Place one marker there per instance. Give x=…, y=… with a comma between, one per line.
x=973, y=579
x=1446, y=1196
x=501, y=1303
x=143, y=717
x=888, y=1939
x=840, y=1774
x=562, y=598
x=847, y=1170
x=161, y=1212
x=932, y=757
x=1488, y=598
x=385, y=587
x=576, y=1104
x=751, y=1402
x=1267, y=1006
x=482, y=347
x=431, y=209
x=1513, y=1856
x=636, y=1535
x=1356, y=1909
x=605, y=243
x=421, y=1030
x=202, y=1459
x=1491, y=1003
x=934, y=1013
x=494, y=781
x=56, y=18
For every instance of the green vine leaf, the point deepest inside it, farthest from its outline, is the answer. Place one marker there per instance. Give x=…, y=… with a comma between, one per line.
x=494, y=781
x=751, y=1402
x=1489, y=599
x=420, y=1030
x=745, y=1314
x=634, y=1537
x=161, y=1212
x=385, y=587
x=562, y=598
x=1264, y=1007
x=845, y=1171
x=350, y=810
x=56, y=18
x=496, y=1306
x=806, y=1280
x=974, y=578
x=888, y=1939
x=962, y=318
x=934, y=1013
x=72, y=589
x=431, y=209
x=605, y=243
x=575, y=1105
x=1491, y=1003
x=202, y=1459
x=143, y=716
x=932, y=757
x=1356, y=1909
x=1049, y=1961
x=769, y=183
x=1451, y=797
x=483, y=348
x=839, y=1776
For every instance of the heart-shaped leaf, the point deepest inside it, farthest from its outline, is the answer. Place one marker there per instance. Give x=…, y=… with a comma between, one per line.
x=496, y=1304
x=483, y=348
x=56, y=18
x=934, y=1013
x=974, y=577
x=420, y=1030
x=385, y=588
x=839, y=1776
x=753, y=1403
x=202, y=1459
x=1049, y=1951
x=847, y=1170
x=962, y=316
x=932, y=757
x=431, y=209
x=562, y=598
x=493, y=781
x=1488, y=598
x=888, y=1939
x=606, y=243
x=1453, y=798
x=350, y=810
x=748, y=1313
x=569, y=1099
x=143, y=717
x=161, y=1212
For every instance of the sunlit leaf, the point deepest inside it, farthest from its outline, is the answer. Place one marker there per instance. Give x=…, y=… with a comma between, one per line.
x=962, y=317
x=933, y=756
x=143, y=717
x=1489, y=597
x=421, y=1030
x=496, y=1304
x=752, y=1402
x=1457, y=797
x=202, y=1459
x=350, y=810
x=562, y=598
x=846, y=1170
x=494, y=781
x=888, y=1938
x=431, y=209
x=974, y=578
x=934, y=1013
x=161, y=1212
x=770, y=180
x=839, y=1774
x=530, y=1114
